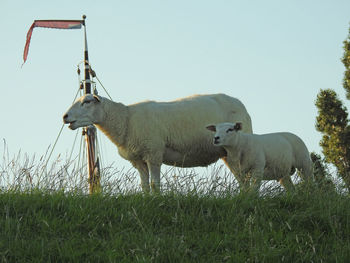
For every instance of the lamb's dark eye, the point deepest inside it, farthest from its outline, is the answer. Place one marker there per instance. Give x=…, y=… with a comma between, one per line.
x=229, y=130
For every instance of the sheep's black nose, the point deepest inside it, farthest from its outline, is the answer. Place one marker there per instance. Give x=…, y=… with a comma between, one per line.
x=65, y=117
x=216, y=139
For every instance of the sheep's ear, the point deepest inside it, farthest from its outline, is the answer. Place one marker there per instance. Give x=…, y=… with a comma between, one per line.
x=211, y=128
x=238, y=126
x=97, y=98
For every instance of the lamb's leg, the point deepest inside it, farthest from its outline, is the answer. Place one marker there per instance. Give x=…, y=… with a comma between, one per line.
x=141, y=166
x=240, y=177
x=154, y=170
x=287, y=183
x=255, y=181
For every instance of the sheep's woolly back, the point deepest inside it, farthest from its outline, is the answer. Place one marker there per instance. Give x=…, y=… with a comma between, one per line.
x=171, y=132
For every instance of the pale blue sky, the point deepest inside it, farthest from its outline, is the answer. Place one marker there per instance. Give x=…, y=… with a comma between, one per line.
x=273, y=55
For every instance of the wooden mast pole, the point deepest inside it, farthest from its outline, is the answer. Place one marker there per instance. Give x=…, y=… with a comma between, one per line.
x=90, y=131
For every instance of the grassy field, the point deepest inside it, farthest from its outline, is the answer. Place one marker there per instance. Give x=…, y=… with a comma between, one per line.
x=46, y=216
x=306, y=226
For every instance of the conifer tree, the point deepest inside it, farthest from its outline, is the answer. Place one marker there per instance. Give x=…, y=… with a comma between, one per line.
x=332, y=121
x=321, y=173
x=346, y=62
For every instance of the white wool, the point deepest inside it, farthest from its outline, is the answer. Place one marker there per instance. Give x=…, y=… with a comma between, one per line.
x=151, y=133
x=253, y=158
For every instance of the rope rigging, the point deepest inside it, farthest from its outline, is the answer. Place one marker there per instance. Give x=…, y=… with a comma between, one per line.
x=94, y=75
x=96, y=160
x=59, y=134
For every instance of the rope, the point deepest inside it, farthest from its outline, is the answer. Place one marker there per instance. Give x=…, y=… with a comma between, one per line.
x=59, y=134
x=103, y=87
x=93, y=74
x=54, y=145
x=81, y=143
x=81, y=163
x=75, y=139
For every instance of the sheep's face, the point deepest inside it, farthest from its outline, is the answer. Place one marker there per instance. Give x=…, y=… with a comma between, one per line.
x=87, y=110
x=224, y=132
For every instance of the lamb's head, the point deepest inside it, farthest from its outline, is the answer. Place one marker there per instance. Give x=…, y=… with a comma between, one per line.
x=87, y=110
x=224, y=132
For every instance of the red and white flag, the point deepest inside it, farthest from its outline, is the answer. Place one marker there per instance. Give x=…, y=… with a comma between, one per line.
x=61, y=24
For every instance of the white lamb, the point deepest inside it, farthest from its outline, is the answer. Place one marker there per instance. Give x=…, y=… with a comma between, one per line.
x=252, y=157
x=151, y=133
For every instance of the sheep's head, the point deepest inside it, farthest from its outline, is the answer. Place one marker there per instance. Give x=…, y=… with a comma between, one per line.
x=223, y=131
x=87, y=110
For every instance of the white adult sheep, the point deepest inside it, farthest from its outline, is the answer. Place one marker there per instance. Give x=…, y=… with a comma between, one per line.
x=252, y=157
x=151, y=133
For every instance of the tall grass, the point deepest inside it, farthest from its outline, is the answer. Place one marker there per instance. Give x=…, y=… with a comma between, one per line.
x=47, y=216
x=22, y=172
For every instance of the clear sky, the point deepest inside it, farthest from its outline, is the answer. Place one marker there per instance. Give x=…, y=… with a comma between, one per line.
x=274, y=56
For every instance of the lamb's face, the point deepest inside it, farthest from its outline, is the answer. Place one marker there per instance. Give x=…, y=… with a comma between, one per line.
x=87, y=110
x=224, y=132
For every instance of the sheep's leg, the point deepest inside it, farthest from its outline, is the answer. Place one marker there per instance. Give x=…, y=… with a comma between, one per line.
x=154, y=170
x=306, y=173
x=141, y=166
x=287, y=183
x=242, y=181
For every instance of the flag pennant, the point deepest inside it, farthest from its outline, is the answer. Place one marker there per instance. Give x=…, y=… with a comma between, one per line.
x=60, y=24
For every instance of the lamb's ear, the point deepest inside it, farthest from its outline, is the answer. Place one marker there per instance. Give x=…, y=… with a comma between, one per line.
x=211, y=128
x=238, y=126
x=97, y=98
